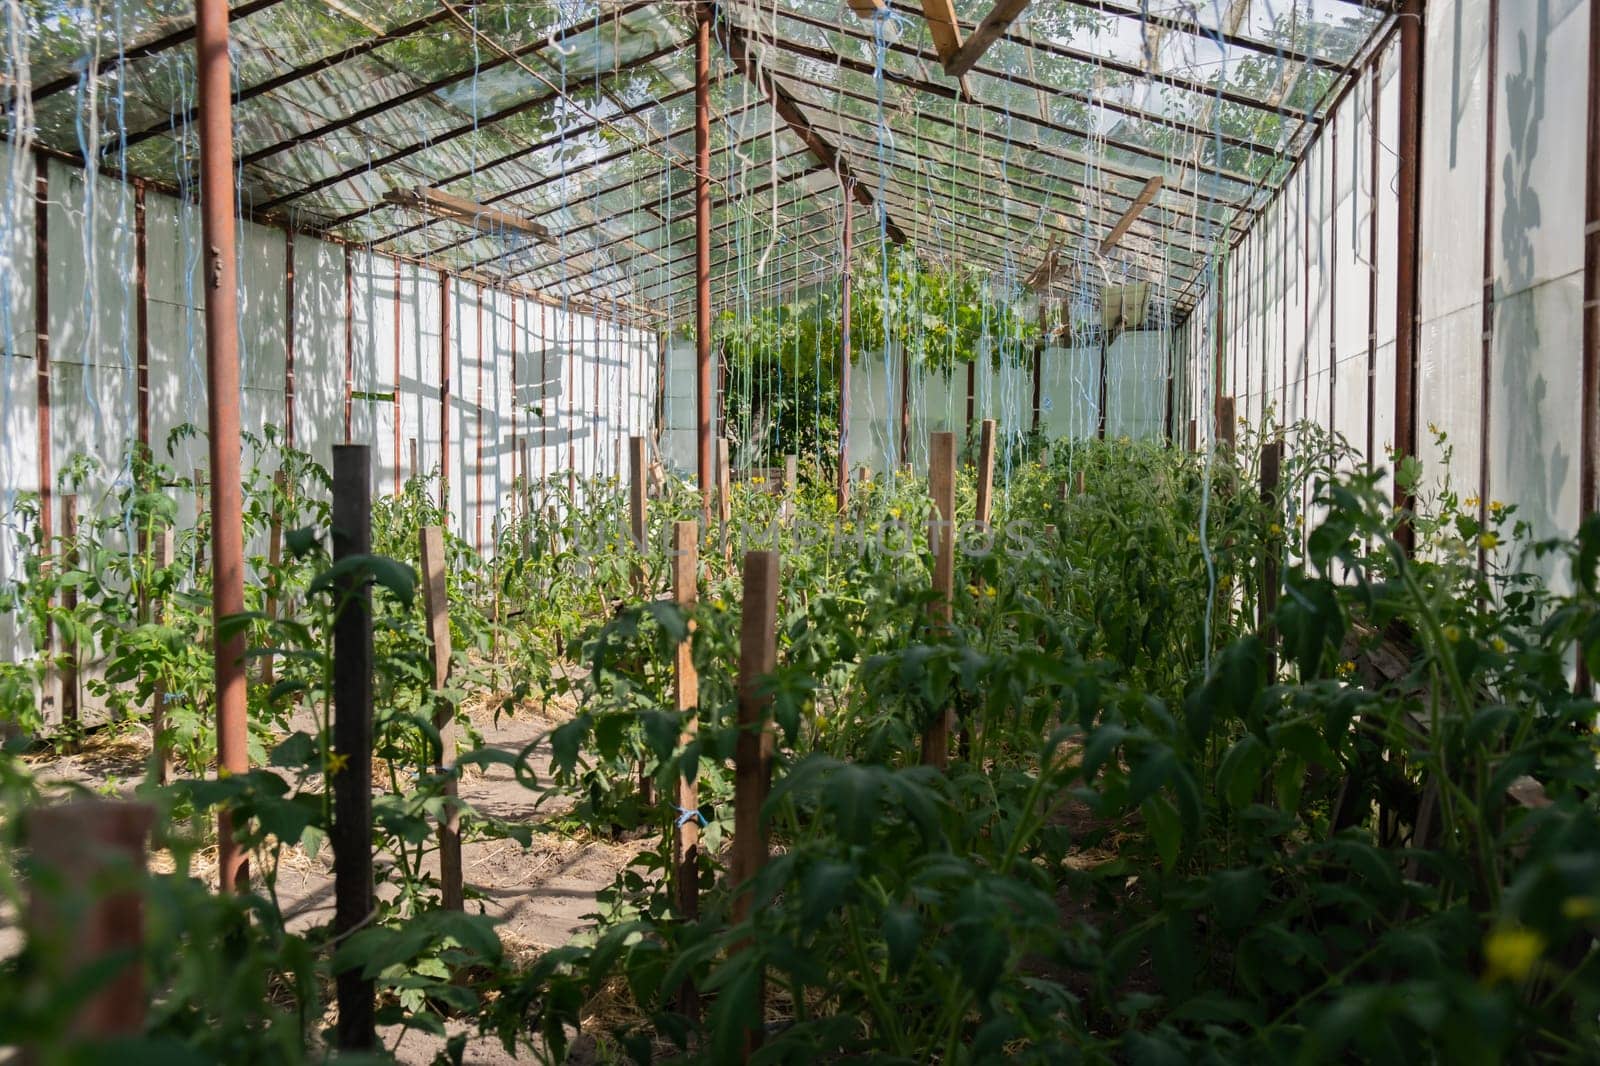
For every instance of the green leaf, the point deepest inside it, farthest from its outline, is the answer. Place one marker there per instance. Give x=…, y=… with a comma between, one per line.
x=902, y=931
x=1161, y=819
x=1239, y=774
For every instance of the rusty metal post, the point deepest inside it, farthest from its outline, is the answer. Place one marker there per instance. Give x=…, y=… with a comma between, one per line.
x=85, y=907
x=686, y=700
x=41, y=346
x=444, y=391
x=351, y=776
x=222, y=379
x=288, y=337
x=1589, y=417
x=752, y=760
x=160, y=750
x=724, y=496
x=702, y=255
x=1408, y=208
x=846, y=250
x=1227, y=422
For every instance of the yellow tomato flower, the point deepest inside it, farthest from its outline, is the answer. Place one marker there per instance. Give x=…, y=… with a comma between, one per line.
x=1194, y=539
x=988, y=590
x=1452, y=633
x=1347, y=668
x=1498, y=645
x=1488, y=540
x=1471, y=501
x=1579, y=908
x=1275, y=530
x=718, y=604
x=336, y=762
x=758, y=480
x=1509, y=954
x=972, y=590
x=894, y=512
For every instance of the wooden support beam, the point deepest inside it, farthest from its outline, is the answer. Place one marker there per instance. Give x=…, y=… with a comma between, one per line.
x=966, y=56
x=942, y=539
x=1131, y=215
x=638, y=485
x=436, y=614
x=1227, y=423
x=752, y=760
x=686, y=700
x=943, y=27
x=351, y=776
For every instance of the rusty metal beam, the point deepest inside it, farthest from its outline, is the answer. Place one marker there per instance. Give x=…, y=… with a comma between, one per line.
x=1408, y=209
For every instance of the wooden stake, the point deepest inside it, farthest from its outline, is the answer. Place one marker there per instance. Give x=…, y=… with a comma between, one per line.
x=686, y=693
x=1271, y=464
x=280, y=490
x=724, y=497
x=941, y=537
x=436, y=609
x=160, y=751
x=71, y=709
x=985, y=470
x=201, y=495
x=1192, y=441
x=85, y=907
x=351, y=777
x=791, y=479
x=1227, y=423
x=752, y=760
x=636, y=508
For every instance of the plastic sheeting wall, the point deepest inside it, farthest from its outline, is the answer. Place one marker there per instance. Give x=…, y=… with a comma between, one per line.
x=1308, y=313
x=557, y=386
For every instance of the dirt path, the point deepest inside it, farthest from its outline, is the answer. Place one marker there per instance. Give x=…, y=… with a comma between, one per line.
x=541, y=894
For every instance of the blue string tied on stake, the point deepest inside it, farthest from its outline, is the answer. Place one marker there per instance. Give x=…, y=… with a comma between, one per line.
x=690, y=814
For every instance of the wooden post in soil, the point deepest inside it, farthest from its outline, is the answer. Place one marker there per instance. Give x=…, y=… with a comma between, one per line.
x=436, y=609
x=201, y=493
x=1081, y=483
x=752, y=759
x=1271, y=465
x=85, y=907
x=1192, y=440
x=160, y=751
x=280, y=495
x=350, y=772
x=985, y=471
x=724, y=497
x=1227, y=422
x=686, y=699
x=637, y=485
x=71, y=710
x=415, y=462
x=941, y=537
x=791, y=479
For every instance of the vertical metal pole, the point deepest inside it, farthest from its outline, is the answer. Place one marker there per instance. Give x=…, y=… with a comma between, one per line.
x=903, y=456
x=972, y=390
x=1227, y=422
x=1589, y=439
x=444, y=392
x=160, y=749
x=222, y=378
x=1408, y=225
x=1374, y=150
x=1038, y=361
x=1491, y=161
x=686, y=699
x=288, y=337
x=280, y=496
x=70, y=706
x=397, y=411
x=141, y=315
x=724, y=496
x=702, y=255
x=477, y=433
x=637, y=505
x=847, y=250
x=942, y=537
x=349, y=340
x=352, y=739
x=41, y=342
x=752, y=760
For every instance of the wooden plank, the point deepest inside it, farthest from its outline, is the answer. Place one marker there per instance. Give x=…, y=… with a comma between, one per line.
x=638, y=486
x=985, y=470
x=481, y=217
x=752, y=760
x=686, y=700
x=791, y=479
x=724, y=497
x=436, y=613
x=966, y=56
x=85, y=909
x=1131, y=215
x=943, y=27
x=350, y=771
x=941, y=536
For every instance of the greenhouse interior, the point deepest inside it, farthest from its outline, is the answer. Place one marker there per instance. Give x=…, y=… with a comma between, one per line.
x=720, y=531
